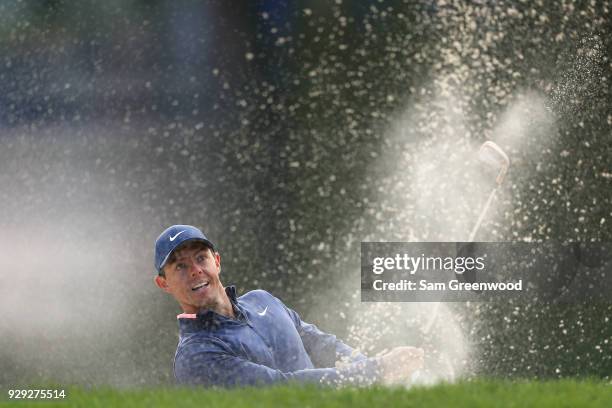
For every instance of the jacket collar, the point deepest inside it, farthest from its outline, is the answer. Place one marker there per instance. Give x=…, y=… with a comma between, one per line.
x=231, y=293
x=207, y=319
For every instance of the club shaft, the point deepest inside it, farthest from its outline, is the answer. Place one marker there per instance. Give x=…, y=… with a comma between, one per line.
x=483, y=212
x=482, y=215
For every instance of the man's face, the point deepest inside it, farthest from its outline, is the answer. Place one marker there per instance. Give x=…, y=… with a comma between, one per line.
x=192, y=278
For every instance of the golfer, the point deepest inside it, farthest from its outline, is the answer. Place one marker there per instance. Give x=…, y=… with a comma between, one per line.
x=254, y=339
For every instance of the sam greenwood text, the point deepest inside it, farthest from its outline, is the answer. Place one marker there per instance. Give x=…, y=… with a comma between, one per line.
x=455, y=285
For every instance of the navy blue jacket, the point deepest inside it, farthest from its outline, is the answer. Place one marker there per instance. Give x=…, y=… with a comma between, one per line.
x=267, y=343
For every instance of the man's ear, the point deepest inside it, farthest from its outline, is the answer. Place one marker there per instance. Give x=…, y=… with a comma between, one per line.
x=161, y=283
x=218, y=260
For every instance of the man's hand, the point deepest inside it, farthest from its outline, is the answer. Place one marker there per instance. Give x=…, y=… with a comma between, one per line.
x=399, y=364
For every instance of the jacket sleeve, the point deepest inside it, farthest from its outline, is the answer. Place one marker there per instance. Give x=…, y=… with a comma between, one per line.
x=323, y=348
x=213, y=365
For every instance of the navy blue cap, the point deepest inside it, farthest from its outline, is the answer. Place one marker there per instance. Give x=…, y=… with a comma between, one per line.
x=171, y=238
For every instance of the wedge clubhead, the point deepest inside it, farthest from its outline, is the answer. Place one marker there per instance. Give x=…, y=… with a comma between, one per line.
x=494, y=156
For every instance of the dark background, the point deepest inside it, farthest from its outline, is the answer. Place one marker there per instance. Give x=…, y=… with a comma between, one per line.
x=269, y=125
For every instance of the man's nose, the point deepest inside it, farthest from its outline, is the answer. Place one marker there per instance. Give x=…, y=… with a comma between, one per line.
x=195, y=269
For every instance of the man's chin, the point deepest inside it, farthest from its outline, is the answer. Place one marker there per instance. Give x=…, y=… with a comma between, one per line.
x=205, y=302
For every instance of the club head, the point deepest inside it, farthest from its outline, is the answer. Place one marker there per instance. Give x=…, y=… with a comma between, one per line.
x=493, y=155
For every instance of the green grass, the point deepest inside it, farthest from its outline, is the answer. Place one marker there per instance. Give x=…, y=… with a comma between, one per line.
x=563, y=393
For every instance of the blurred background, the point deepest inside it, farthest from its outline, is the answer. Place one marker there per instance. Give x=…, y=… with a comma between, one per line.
x=290, y=132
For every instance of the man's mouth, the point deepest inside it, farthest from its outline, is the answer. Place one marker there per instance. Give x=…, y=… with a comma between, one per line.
x=200, y=286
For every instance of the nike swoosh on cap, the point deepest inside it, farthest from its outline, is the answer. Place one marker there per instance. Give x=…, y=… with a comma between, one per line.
x=263, y=313
x=177, y=234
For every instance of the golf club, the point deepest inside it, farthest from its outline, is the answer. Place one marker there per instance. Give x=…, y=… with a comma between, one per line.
x=493, y=155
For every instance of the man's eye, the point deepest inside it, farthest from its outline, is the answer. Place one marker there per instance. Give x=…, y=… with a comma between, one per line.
x=200, y=258
x=180, y=266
